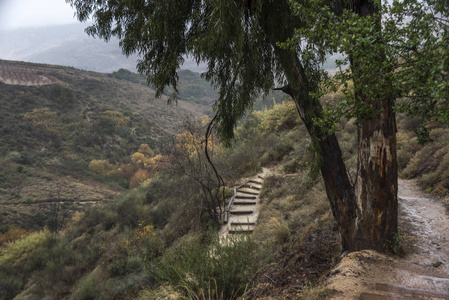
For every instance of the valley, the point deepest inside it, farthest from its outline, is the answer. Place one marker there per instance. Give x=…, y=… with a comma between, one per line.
x=55, y=120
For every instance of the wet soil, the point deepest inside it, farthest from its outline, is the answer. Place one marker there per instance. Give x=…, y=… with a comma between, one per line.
x=422, y=273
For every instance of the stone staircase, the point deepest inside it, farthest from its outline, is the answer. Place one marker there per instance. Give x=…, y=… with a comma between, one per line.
x=243, y=209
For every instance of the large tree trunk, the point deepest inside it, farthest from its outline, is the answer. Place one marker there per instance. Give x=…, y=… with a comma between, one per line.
x=339, y=189
x=377, y=182
x=377, y=171
x=366, y=214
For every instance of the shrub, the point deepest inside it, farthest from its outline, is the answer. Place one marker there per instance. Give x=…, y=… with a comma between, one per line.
x=18, y=250
x=132, y=208
x=88, y=287
x=280, y=230
x=208, y=269
x=12, y=234
x=138, y=178
x=111, y=122
x=280, y=117
x=101, y=167
x=11, y=283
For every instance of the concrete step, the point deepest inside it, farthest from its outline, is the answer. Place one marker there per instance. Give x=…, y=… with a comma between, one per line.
x=240, y=196
x=243, y=219
x=256, y=180
x=237, y=228
x=242, y=216
x=244, y=203
x=238, y=231
x=243, y=223
x=240, y=212
x=253, y=186
x=248, y=191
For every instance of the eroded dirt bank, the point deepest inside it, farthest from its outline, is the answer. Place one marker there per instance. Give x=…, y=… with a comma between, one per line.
x=423, y=273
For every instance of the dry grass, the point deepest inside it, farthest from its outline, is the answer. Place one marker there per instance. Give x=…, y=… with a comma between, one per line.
x=295, y=226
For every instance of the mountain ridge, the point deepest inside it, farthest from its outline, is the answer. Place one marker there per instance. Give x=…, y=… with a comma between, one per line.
x=69, y=45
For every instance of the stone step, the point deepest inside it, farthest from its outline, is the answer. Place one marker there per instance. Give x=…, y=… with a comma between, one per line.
x=240, y=212
x=244, y=202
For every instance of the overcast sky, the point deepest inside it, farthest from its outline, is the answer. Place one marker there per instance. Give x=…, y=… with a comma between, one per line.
x=34, y=13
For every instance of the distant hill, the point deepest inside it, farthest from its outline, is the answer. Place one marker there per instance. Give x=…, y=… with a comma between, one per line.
x=191, y=86
x=55, y=120
x=69, y=45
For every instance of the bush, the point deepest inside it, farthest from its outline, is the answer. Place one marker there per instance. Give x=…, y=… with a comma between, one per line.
x=18, y=250
x=208, y=269
x=88, y=287
x=12, y=234
x=138, y=178
x=11, y=283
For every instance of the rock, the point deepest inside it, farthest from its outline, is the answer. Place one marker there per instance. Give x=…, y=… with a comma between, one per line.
x=343, y=254
x=334, y=272
x=437, y=264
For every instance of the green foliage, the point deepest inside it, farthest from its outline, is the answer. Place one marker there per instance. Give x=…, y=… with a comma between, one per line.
x=112, y=122
x=412, y=40
x=88, y=287
x=16, y=251
x=84, y=116
x=13, y=156
x=162, y=223
x=397, y=243
x=123, y=74
x=209, y=269
x=10, y=282
x=191, y=86
x=279, y=117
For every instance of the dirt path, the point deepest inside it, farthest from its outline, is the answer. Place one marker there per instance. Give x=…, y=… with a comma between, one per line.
x=422, y=274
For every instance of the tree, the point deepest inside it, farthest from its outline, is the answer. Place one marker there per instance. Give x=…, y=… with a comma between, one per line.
x=191, y=153
x=241, y=42
x=395, y=51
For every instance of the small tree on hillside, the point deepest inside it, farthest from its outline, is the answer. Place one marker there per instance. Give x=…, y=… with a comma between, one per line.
x=189, y=157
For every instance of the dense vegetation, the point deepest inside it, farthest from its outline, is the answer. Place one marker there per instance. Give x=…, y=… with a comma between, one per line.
x=128, y=248
x=394, y=50
x=49, y=134
x=156, y=240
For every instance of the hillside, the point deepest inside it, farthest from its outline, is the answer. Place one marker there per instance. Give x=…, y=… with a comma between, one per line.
x=69, y=45
x=55, y=120
x=154, y=241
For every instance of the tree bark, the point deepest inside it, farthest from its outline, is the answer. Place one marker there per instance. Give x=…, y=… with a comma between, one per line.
x=377, y=182
x=339, y=189
x=365, y=213
x=377, y=171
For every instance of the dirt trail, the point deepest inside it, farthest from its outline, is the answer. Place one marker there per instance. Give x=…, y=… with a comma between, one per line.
x=422, y=274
